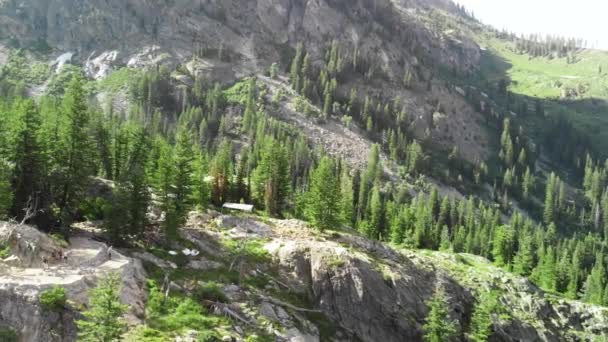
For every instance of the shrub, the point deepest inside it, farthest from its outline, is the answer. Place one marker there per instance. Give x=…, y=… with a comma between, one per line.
x=53, y=299
x=212, y=291
x=7, y=335
x=5, y=251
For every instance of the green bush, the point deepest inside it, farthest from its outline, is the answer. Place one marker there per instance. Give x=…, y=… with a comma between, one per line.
x=59, y=240
x=5, y=251
x=176, y=314
x=213, y=292
x=93, y=208
x=53, y=299
x=7, y=335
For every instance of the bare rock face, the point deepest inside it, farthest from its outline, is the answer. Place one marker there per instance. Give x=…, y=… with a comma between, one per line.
x=378, y=294
x=355, y=293
x=224, y=40
x=27, y=245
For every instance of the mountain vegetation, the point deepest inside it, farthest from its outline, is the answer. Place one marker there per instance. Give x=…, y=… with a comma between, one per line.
x=535, y=203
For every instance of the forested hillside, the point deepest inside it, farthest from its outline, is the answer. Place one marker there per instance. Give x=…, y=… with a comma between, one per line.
x=406, y=122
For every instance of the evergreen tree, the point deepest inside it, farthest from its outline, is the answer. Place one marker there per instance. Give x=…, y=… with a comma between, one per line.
x=323, y=198
x=445, y=239
x=527, y=184
x=376, y=215
x=200, y=188
x=372, y=172
x=78, y=159
x=438, y=326
x=523, y=262
x=545, y=274
x=182, y=187
x=29, y=166
x=549, y=211
x=481, y=328
x=296, y=66
x=593, y=290
x=6, y=194
x=221, y=172
x=271, y=179
x=250, y=105
x=503, y=245
x=103, y=320
x=574, y=276
x=274, y=70
x=127, y=214
x=346, y=198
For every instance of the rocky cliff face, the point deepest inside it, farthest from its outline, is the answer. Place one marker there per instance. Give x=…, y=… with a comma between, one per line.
x=379, y=294
x=253, y=31
x=236, y=38
x=371, y=292
x=335, y=286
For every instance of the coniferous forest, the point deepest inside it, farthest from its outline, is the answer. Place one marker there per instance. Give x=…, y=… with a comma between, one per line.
x=427, y=145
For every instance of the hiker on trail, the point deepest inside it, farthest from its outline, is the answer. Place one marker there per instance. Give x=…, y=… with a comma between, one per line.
x=45, y=262
x=110, y=253
x=60, y=255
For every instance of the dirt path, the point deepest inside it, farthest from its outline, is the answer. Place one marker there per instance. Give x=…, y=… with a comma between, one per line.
x=85, y=257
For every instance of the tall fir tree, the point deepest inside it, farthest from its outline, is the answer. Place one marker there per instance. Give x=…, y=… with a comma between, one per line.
x=78, y=157
x=593, y=290
x=481, y=327
x=271, y=178
x=103, y=320
x=438, y=326
x=323, y=198
x=347, y=211
x=30, y=160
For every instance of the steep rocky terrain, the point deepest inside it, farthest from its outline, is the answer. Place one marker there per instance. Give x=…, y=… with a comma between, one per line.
x=300, y=285
x=252, y=278
x=226, y=40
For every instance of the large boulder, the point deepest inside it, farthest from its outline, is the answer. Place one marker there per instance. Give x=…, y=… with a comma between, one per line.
x=28, y=246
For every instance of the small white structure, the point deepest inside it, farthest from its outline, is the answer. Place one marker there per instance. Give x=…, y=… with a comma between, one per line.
x=240, y=207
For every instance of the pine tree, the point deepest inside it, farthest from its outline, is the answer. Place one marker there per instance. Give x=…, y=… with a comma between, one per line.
x=438, y=326
x=103, y=320
x=29, y=165
x=593, y=290
x=574, y=276
x=6, y=194
x=527, y=184
x=184, y=157
x=127, y=214
x=200, y=188
x=346, y=198
x=221, y=172
x=294, y=77
x=549, y=211
x=274, y=70
x=78, y=160
x=503, y=245
x=372, y=172
x=481, y=328
x=523, y=262
x=446, y=244
x=323, y=198
x=414, y=157
x=376, y=214
x=545, y=274
x=250, y=105
x=270, y=178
